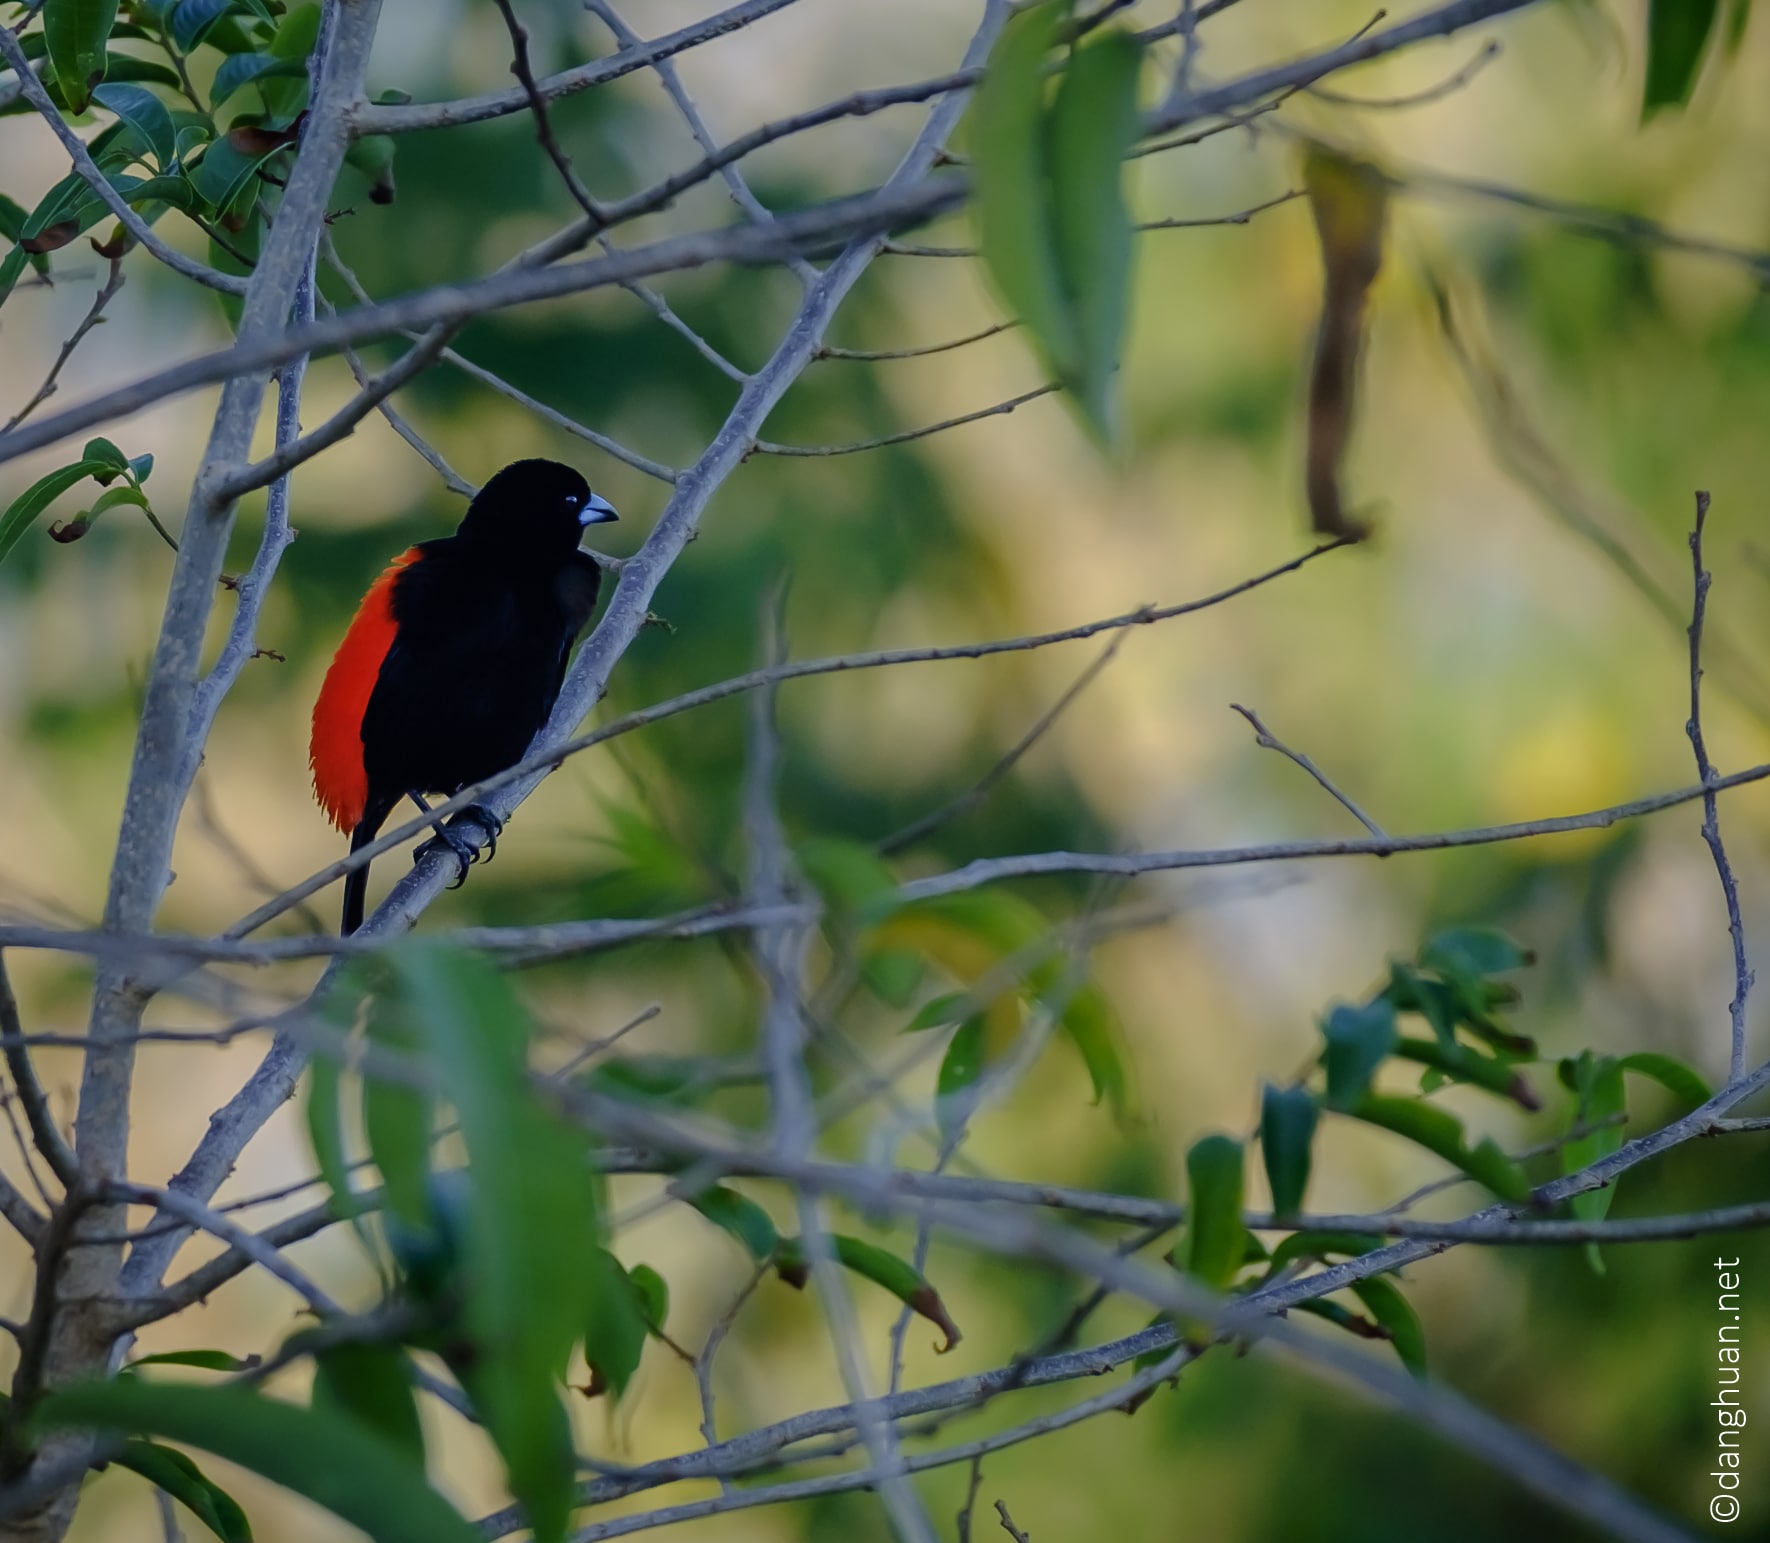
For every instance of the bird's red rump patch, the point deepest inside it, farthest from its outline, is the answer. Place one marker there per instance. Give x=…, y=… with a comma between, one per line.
x=335, y=752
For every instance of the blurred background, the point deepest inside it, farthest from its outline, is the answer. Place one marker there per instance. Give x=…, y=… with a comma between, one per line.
x=1508, y=646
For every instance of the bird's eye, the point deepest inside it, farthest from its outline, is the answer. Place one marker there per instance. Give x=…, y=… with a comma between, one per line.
x=572, y=500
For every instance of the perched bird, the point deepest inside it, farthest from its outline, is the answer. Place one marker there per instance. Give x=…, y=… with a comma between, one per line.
x=455, y=657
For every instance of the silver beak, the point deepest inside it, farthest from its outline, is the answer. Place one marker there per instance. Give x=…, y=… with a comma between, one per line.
x=597, y=511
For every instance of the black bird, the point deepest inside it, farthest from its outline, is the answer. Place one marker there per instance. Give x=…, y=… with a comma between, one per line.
x=455, y=656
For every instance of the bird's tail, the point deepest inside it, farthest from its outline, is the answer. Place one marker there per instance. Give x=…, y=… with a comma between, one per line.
x=356, y=882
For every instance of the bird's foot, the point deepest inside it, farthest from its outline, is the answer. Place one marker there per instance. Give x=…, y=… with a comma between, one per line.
x=465, y=853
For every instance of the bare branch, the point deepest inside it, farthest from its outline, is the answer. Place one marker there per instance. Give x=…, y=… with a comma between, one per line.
x=1711, y=814
x=1266, y=740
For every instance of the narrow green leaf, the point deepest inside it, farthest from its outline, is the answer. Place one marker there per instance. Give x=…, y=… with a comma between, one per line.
x=1678, y=34
x=1442, y=1133
x=1601, y=1099
x=1671, y=1074
x=179, y=1476
x=325, y=1129
x=531, y=1218
x=1215, y=1240
x=1093, y=124
x=1093, y=1028
x=371, y=1383
x=373, y=156
x=146, y=114
x=1393, y=1311
x=339, y=1464
x=1359, y=1040
x=208, y=1360
x=956, y=1087
x=76, y=32
x=938, y=1012
x=1456, y=1062
x=740, y=1216
x=1287, y=1129
x=397, y=1119
x=37, y=497
x=1009, y=165
x=900, y=1278
x=12, y=269
x=1322, y=1245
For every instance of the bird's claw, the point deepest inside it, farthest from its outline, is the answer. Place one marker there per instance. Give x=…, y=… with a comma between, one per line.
x=463, y=851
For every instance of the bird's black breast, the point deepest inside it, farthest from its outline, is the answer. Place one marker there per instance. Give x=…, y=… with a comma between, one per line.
x=479, y=653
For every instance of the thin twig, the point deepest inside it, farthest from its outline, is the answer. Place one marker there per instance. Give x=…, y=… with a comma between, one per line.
x=91, y=319
x=1002, y=1512
x=917, y=829
x=45, y=1134
x=768, y=447
x=1743, y=973
x=1266, y=740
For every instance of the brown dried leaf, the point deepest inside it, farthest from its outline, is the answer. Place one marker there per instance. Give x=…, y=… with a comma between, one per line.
x=1349, y=199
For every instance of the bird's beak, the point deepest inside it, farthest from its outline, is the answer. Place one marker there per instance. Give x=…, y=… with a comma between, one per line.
x=597, y=511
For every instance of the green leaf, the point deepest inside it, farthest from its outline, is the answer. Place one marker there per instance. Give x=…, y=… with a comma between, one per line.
x=239, y=70
x=1393, y=1311
x=372, y=155
x=938, y=1012
x=1287, y=1128
x=1677, y=38
x=146, y=114
x=1671, y=1074
x=228, y=166
x=397, y=1119
x=1359, y=1040
x=178, y=1475
x=38, y=497
x=1598, y=1082
x=1216, y=1241
x=654, y=1293
x=76, y=32
x=649, y=1078
x=208, y=1360
x=883, y=1268
x=1442, y=1133
x=1458, y=1063
x=12, y=225
x=12, y=269
x=617, y=1328
x=1093, y=1028
x=850, y=878
x=371, y=1383
x=191, y=20
x=532, y=1225
x=1320, y=1245
x=893, y=975
x=340, y=1465
x=1008, y=163
x=1093, y=124
x=740, y=1216
x=104, y=451
x=1474, y=951
x=325, y=1129
x=955, y=1095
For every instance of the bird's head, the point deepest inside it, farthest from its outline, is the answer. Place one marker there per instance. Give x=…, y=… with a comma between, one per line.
x=534, y=509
